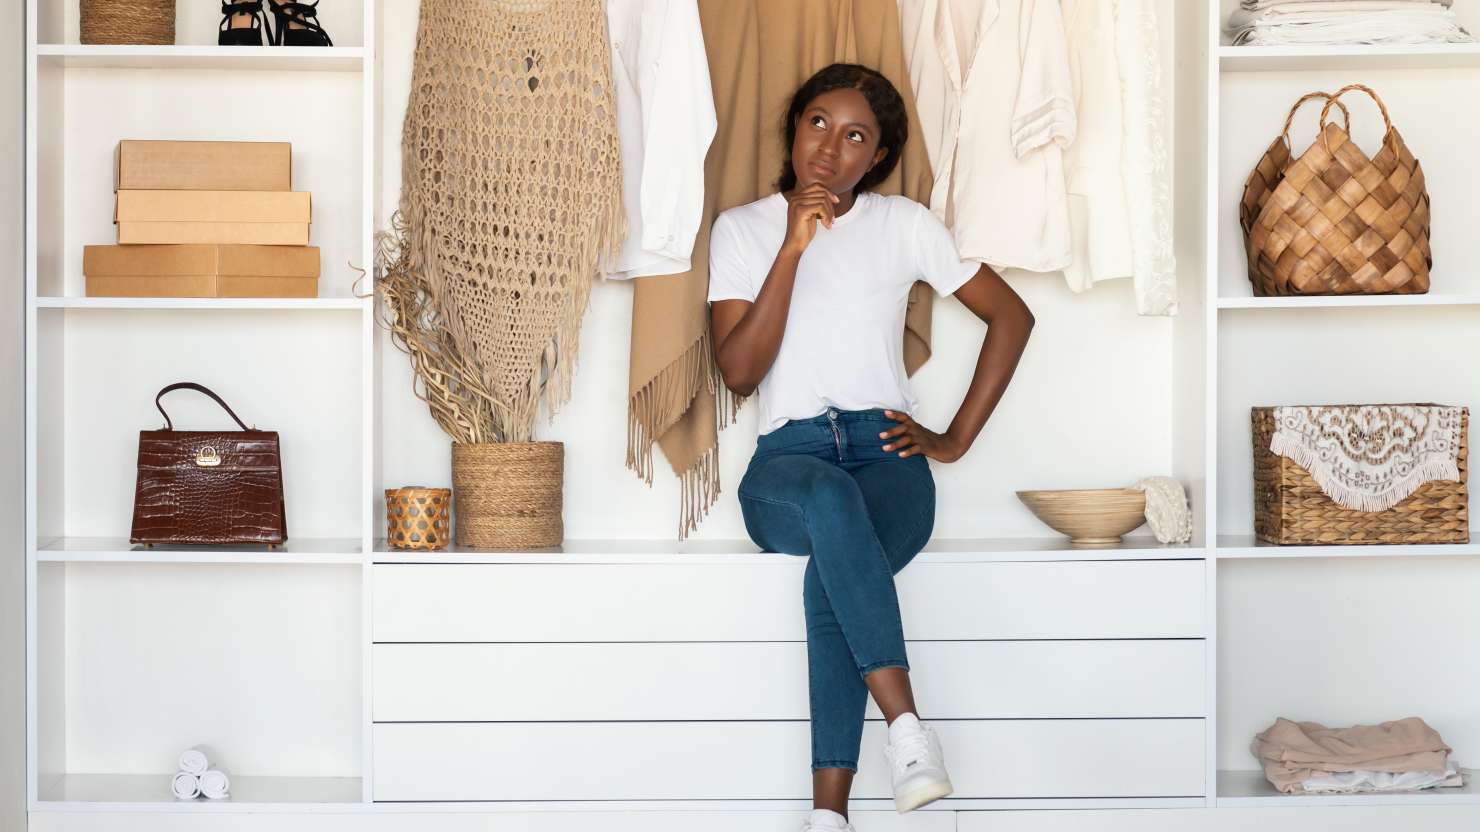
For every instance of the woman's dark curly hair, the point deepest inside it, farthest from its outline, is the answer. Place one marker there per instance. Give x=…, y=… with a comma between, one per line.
x=882, y=97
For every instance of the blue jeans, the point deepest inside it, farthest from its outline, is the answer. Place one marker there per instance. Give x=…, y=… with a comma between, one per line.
x=824, y=487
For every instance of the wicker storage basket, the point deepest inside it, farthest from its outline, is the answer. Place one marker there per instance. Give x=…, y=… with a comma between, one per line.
x=1290, y=508
x=1334, y=222
x=417, y=518
x=150, y=22
x=509, y=494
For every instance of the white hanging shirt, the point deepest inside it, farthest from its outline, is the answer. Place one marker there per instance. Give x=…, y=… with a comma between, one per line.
x=845, y=326
x=991, y=84
x=666, y=121
x=1097, y=204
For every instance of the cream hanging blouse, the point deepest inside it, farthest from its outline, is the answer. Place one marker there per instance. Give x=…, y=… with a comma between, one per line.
x=1118, y=177
x=665, y=116
x=991, y=84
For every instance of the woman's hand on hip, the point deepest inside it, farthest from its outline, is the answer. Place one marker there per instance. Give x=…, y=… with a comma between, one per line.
x=909, y=438
x=806, y=207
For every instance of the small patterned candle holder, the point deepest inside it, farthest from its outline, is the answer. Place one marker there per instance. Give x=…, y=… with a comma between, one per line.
x=417, y=518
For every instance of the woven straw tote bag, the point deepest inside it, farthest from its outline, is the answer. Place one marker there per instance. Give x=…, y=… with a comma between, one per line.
x=1333, y=221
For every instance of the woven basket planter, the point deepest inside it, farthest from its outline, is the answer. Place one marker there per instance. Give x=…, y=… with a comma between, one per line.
x=509, y=494
x=1290, y=508
x=418, y=518
x=147, y=22
x=1334, y=222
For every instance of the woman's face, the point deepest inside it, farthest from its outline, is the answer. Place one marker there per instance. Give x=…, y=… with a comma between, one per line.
x=837, y=141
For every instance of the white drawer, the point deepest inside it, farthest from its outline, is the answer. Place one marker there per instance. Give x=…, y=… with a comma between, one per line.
x=762, y=602
x=703, y=681
x=770, y=760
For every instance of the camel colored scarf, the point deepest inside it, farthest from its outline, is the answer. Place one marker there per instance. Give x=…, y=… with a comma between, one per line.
x=511, y=188
x=759, y=53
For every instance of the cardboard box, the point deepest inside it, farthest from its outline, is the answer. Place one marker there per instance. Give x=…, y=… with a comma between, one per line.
x=220, y=217
x=201, y=271
x=141, y=165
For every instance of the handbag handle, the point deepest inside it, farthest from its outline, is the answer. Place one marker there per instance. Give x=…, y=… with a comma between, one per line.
x=1387, y=122
x=1311, y=96
x=190, y=385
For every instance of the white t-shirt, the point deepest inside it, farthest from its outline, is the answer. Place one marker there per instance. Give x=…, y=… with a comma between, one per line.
x=843, y=345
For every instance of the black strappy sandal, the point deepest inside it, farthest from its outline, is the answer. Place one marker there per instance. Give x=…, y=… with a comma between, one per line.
x=303, y=14
x=245, y=35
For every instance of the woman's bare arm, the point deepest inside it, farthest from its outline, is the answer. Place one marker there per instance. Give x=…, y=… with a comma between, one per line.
x=747, y=336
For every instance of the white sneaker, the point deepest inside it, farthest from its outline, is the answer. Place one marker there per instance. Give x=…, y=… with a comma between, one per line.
x=916, y=764
x=826, y=820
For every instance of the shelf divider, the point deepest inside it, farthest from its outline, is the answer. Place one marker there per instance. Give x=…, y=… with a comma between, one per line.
x=1366, y=57
x=273, y=58
x=1250, y=788
x=309, y=550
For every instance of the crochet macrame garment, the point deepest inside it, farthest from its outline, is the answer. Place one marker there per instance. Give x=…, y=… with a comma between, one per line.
x=511, y=187
x=1370, y=457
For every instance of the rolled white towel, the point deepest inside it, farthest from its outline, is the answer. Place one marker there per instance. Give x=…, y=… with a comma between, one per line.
x=186, y=786
x=193, y=761
x=215, y=784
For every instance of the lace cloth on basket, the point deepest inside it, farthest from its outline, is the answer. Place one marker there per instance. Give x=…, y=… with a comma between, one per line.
x=1370, y=457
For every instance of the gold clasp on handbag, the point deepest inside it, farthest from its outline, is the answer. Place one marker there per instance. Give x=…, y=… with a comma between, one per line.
x=207, y=457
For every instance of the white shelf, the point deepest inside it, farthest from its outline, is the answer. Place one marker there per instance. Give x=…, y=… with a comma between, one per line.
x=322, y=550
x=940, y=550
x=1250, y=788
x=1285, y=58
x=312, y=304
x=1351, y=301
x=855, y=805
x=151, y=793
x=295, y=58
x=1232, y=546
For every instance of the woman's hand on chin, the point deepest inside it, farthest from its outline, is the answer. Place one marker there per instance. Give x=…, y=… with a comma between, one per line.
x=909, y=438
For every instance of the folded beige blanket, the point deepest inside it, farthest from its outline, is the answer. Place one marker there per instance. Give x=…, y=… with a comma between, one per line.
x=1292, y=751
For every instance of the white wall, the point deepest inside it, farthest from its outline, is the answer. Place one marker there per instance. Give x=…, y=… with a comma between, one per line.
x=1090, y=406
x=12, y=433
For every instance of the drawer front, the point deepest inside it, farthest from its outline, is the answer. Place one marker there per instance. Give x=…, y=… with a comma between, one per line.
x=762, y=602
x=769, y=760
x=683, y=681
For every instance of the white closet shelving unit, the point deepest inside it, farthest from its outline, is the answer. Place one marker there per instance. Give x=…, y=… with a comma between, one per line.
x=1265, y=351
x=1121, y=646
x=305, y=367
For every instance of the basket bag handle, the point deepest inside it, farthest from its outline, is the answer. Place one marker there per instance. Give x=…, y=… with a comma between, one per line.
x=1311, y=96
x=1387, y=122
x=190, y=385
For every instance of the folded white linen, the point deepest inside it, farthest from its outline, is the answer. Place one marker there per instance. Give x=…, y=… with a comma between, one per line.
x=186, y=786
x=1345, y=22
x=1383, y=781
x=193, y=761
x=215, y=784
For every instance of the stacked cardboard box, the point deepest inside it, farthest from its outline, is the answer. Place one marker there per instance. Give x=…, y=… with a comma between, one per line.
x=205, y=219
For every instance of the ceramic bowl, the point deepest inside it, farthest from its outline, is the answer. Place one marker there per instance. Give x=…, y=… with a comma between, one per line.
x=1090, y=517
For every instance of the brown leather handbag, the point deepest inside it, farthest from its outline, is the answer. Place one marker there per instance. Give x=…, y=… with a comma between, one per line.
x=208, y=487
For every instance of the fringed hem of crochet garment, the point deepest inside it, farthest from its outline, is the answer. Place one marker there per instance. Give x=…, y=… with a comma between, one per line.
x=511, y=190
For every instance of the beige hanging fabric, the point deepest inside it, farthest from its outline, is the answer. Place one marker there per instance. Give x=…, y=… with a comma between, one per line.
x=759, y=53
x=511, y=186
